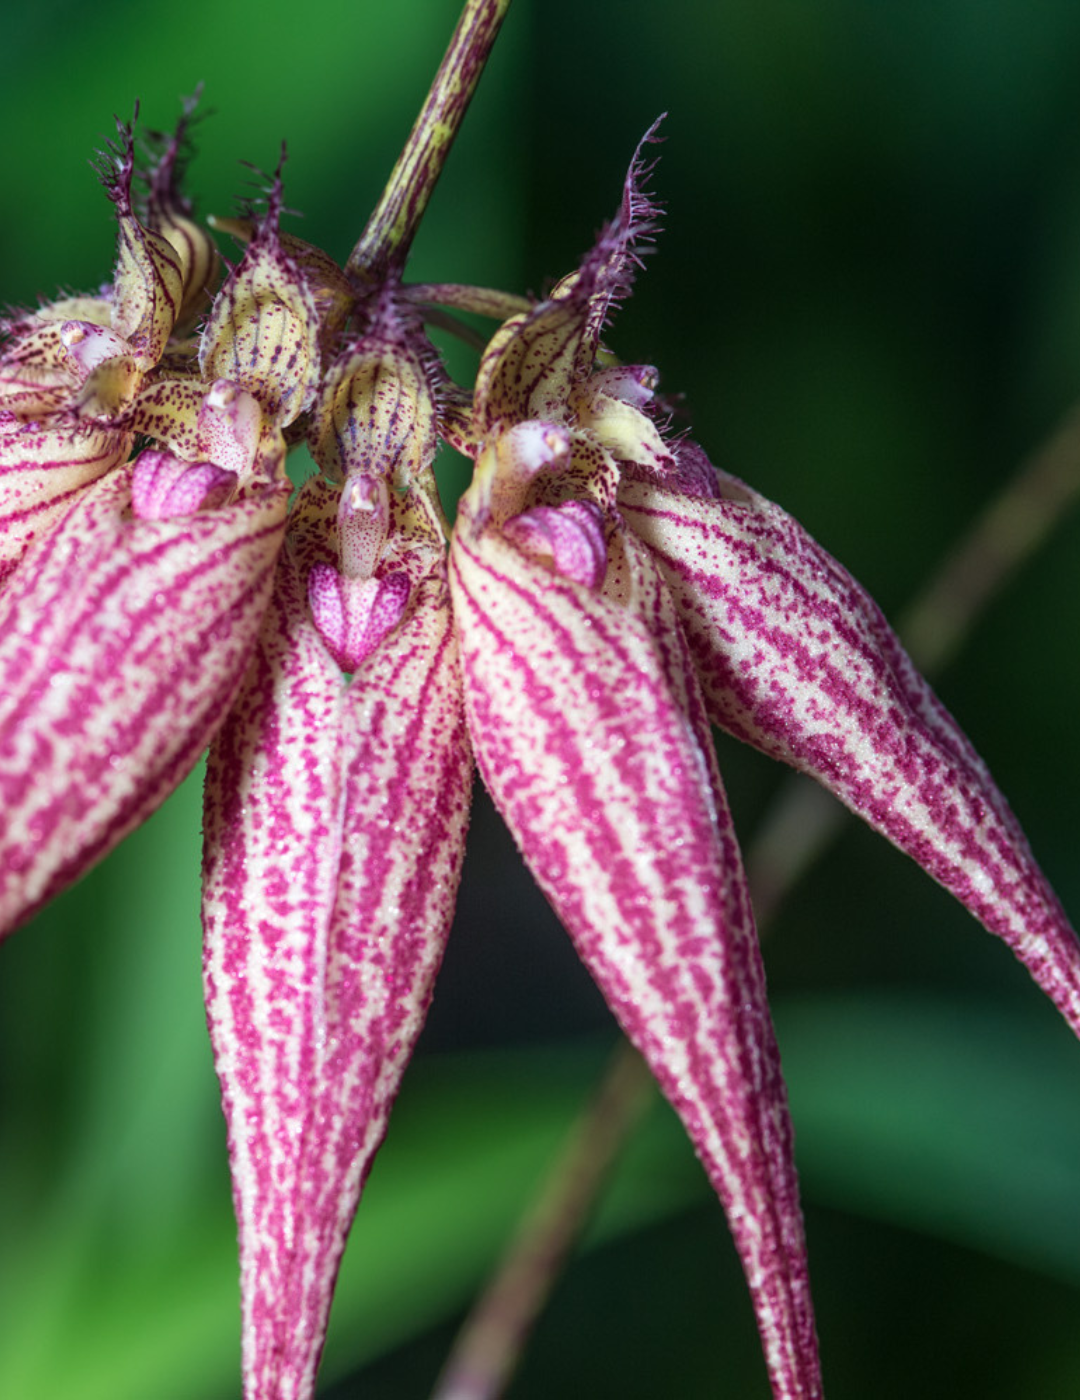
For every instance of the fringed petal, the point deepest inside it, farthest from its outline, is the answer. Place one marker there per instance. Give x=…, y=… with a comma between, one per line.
x=148, y=284
x=796, y=658
x=590, y=733
x=535, y=359
x=122, y=643
x=263, y=331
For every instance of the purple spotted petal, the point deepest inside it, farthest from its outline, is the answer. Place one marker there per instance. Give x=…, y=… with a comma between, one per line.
x=122, y=643
x=796, y=658
x=335, y=823
x=590, y=733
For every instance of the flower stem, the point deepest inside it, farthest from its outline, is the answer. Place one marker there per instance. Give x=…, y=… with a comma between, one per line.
x=489, y=1345
x=384, y=244
x=804, y=820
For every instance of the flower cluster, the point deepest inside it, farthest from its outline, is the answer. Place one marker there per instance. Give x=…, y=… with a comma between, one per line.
x=603, y=598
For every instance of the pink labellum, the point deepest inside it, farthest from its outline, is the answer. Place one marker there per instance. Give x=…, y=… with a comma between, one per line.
x=591, y=735
x=163, y=486
x=570, y=537
x=796, y=658
x=122, y=643
x=86, y=346
x=41, y=473
x=353, y=615
x=335, y=823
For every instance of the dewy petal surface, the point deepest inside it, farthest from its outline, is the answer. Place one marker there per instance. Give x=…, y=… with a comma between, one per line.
x=41, y=472
x=590, y=733
x=122, y=643
x=796, y=658
x=335, y=823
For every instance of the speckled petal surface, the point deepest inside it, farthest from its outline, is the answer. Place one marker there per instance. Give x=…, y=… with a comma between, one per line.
x=335, y=823
x=590, y=733
x=41, y=472
x=796, y=658
x=122, y=643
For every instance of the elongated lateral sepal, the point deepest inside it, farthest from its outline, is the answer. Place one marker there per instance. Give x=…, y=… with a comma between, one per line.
x=122, y=643
x=796, y=658
x=335, y=821
x=591, y=735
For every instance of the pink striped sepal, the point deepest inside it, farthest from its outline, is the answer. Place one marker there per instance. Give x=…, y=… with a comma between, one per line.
x=796, y=658
x=591, y=734
x=122, y=643
x=335, y=824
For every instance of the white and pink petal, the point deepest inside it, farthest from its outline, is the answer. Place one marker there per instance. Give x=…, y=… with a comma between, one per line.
x=796, y=658
x=591, y=735
x=335, y=824
x=122, y=644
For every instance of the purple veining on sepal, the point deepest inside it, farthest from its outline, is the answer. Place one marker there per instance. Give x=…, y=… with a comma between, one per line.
x=148, y=282
x=169, y=214
x=262, y=334
x=796, y=658
x=569, y=536
x=122, y=643
x=335, y=823
x=591, y=735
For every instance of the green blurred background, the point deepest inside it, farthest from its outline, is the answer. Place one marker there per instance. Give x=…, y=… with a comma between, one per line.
x=869, y=292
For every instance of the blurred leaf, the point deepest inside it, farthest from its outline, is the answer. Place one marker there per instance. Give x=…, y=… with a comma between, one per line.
x=960, y=1120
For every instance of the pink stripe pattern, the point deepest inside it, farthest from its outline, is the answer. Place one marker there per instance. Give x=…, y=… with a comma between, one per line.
x=122, y=643
x=335, y=825
x=591, y=735
x=797, y=659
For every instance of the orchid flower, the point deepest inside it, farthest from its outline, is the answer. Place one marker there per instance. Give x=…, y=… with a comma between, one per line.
x=603, y=597
x=134, y=590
